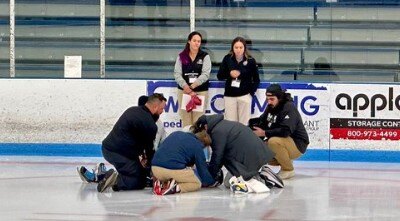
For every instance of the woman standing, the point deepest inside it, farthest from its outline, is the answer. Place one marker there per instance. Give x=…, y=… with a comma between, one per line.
x=192, y=72
x=240, y=71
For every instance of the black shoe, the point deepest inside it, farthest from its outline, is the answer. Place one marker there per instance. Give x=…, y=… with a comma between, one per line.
x=110, y=179
x=271, y=179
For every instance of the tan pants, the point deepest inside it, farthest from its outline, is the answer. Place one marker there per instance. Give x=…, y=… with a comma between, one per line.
x=189, y=118
x=186, y=179
x=238, y=108
x=285, y=150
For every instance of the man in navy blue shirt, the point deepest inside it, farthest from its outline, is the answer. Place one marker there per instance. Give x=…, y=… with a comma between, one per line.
x=173, y=162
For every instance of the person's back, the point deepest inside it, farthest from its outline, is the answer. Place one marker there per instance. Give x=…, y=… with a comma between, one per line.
x=173, y=160
x=180, y=150
x=134, y=130
x=129, y=146
x=235, y=146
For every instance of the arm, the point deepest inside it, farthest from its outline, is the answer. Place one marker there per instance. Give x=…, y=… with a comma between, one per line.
x=201, y=166
x=178, y=73
x=223, y=72
x=286, y=125
x=218, y=148
x=149, y=132
x=255, y=77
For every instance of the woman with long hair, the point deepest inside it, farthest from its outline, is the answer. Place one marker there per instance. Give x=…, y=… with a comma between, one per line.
x=240, y=72
x=192, y=73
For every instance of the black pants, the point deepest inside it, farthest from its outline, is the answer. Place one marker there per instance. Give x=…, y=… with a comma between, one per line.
x=131, y=174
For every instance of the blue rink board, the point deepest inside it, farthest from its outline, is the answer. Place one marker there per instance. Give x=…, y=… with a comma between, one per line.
x=94, y=150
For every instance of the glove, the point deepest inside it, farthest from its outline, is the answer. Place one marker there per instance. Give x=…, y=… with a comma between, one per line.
x=190, y=106
x=196, y=100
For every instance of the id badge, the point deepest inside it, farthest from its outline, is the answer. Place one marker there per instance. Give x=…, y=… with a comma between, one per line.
x=192, y=79
x=235, y=83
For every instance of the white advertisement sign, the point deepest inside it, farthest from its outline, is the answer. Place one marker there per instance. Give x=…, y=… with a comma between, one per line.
x=367, y=114
x=312, y=101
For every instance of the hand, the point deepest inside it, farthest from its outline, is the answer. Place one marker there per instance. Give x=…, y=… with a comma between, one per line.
x=187, y=89
x=219, y=179
x=194, y=85
x=235, y=73
x=258, y=131
x=143, y=160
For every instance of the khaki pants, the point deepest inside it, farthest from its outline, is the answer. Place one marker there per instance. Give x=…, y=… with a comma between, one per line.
x=186, y=179
x=285, y=150
x=238, y=108
x=189, y=118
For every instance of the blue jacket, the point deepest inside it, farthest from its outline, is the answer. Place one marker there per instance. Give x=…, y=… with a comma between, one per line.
x=180, y=150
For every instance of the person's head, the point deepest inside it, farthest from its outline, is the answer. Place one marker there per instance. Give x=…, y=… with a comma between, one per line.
x=239, y=47
x=199, y=125
x=142, y=100
x=204, y=137
x=156, y=104
x=193, y=42
x=274, y=94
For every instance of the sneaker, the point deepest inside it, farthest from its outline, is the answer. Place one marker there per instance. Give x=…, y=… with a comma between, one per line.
x=157, y=187
x=170, y=188
x=110, y=179
x=256, y=186
x=86, y=175
x=238, y=186
x=286, y=174
x=267, y=182
x=270, y=177
x=100, y=171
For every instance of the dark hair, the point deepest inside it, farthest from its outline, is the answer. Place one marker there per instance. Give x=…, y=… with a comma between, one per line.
x=190, y=36
x=275, y=90
x=142, y=100
x=199, y=125
x=156, y=97
x=243, y=41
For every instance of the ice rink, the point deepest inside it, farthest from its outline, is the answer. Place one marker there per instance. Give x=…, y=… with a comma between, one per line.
x=48, y=188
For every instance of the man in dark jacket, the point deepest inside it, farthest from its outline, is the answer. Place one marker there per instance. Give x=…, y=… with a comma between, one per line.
x=234, y=146
x=283, y=129
x=129, y=145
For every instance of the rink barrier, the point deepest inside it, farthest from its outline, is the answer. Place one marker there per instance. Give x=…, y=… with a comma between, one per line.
x=94, y=150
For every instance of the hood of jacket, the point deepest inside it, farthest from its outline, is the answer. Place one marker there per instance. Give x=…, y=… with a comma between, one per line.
x=213, y=120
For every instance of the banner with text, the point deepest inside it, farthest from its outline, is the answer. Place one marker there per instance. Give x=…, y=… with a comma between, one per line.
x=312, y=101
x=367, y=113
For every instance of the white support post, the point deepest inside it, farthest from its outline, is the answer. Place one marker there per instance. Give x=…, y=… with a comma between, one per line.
x=102, y=38
x=192, y=15
x=12, y=38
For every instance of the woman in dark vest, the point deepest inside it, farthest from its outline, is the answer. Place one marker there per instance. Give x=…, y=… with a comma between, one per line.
x=192, y=72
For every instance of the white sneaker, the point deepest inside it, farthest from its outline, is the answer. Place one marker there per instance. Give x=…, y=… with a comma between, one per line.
x=286, y=174
x=238, y=185
x=256, y=186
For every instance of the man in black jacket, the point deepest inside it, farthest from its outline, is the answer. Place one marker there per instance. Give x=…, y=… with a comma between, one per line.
x=129, y=145
x=283, y=129
x=236, y=147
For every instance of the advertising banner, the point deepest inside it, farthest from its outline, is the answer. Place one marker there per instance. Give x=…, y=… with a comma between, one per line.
x=369, y=114
x=312, y=101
